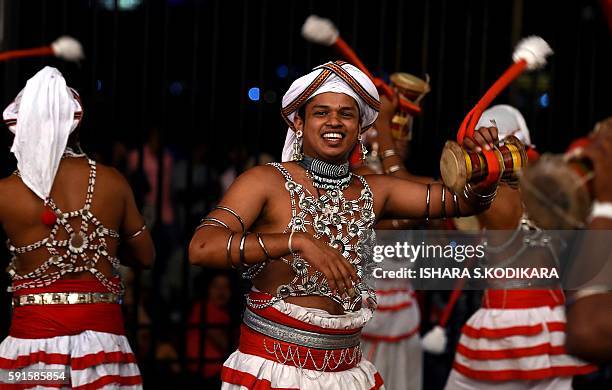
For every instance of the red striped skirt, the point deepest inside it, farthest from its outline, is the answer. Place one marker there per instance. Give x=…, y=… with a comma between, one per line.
x=85, y=341
x=517, y=335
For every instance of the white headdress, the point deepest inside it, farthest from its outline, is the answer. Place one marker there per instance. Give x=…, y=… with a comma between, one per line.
x=42, y=116
x=339, y=77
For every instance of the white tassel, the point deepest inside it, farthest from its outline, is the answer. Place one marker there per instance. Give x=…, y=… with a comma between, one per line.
x=68, y=49
x=435, y=340
x=534, y=50
x=320, y=30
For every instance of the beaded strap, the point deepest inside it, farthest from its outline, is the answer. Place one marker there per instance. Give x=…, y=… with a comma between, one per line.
x=73, y=248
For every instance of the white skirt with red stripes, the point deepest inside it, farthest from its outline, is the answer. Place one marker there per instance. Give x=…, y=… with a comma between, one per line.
x=249, y=371
x=391, y=339
x=91, y=360
x=517, y=337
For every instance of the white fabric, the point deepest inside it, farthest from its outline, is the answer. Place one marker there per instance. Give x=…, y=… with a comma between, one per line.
x=456, y=381
x=44, y=110
x=400, y=363
x=76, y=346
x=281, y=376
x=332, y=84
x=509, y=121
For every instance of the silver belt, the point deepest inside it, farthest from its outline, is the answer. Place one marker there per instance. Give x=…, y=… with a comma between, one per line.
x=66, y=298
x=299, y=337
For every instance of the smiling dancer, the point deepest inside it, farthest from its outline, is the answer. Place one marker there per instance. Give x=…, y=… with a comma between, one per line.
x=302, y=231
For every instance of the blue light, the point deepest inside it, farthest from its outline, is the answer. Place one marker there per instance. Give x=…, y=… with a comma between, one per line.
x=254, y=94
x=544, y=100
x=123, y=5
x=282, y=71
x=98, y=85
x=176, y=88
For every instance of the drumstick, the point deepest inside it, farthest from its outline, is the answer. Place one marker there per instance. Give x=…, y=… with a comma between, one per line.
x=324, y=32
x=64, y=47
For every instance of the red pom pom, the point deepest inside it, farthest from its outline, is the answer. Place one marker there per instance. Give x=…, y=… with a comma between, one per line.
x=48, y=217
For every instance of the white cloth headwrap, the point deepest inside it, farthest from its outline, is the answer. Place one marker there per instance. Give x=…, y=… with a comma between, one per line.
x=509, y=121
x=42, y=116
x=331, y=79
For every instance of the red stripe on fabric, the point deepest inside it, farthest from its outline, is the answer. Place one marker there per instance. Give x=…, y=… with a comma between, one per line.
x=250, y=381
x=274, y=315
x=498, y=333
x=512, y=353
x=378, y=381
x=111, y=379
x=94, y=359
x=390, y=339
x=394, y=291
x=47, y=321
x=254, y=343
x=507, y=375
x=522, y=299
x=34, y=357
x=76, y=363
x=397, y=307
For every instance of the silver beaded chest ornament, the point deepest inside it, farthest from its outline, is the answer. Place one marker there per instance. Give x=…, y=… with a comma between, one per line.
x=64, y=254
x=346, y=225
x=530, y=236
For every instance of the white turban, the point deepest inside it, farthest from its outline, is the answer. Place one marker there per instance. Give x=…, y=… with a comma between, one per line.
x=508, y=120
x=42, y=116
x=339, y=77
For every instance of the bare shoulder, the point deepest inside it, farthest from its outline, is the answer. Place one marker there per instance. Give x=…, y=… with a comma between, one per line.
x=260, y=175
x=111, y=178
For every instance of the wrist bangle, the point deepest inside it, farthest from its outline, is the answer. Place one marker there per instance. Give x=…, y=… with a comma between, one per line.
x=393, y=169
x=586, y=292
x=601, y=210
x=388, y=153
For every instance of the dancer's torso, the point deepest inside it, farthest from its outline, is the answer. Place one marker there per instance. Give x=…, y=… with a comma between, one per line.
x=278, y=217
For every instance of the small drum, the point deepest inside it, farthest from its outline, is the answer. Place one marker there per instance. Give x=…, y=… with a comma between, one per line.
x=410, y=88
x=458, y=167
x=555, y=194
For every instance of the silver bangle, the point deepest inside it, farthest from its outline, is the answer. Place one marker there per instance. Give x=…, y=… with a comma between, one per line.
x=235, y=214
x=241, y=248
x=138, y=233
x=427, y=200
x=228, y=255
x=215, y=220
x=393, y=168
x=443, y=212
x=263, y=247
x=388, y=153
x=456, y=205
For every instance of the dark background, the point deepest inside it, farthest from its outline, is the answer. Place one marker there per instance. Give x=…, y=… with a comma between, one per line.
x=186, y=66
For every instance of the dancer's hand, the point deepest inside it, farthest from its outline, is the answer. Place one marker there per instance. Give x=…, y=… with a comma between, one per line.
x=340, y=274
x=483, y=138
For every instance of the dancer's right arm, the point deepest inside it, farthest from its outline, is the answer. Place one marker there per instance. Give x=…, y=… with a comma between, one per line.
x=251, y=198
